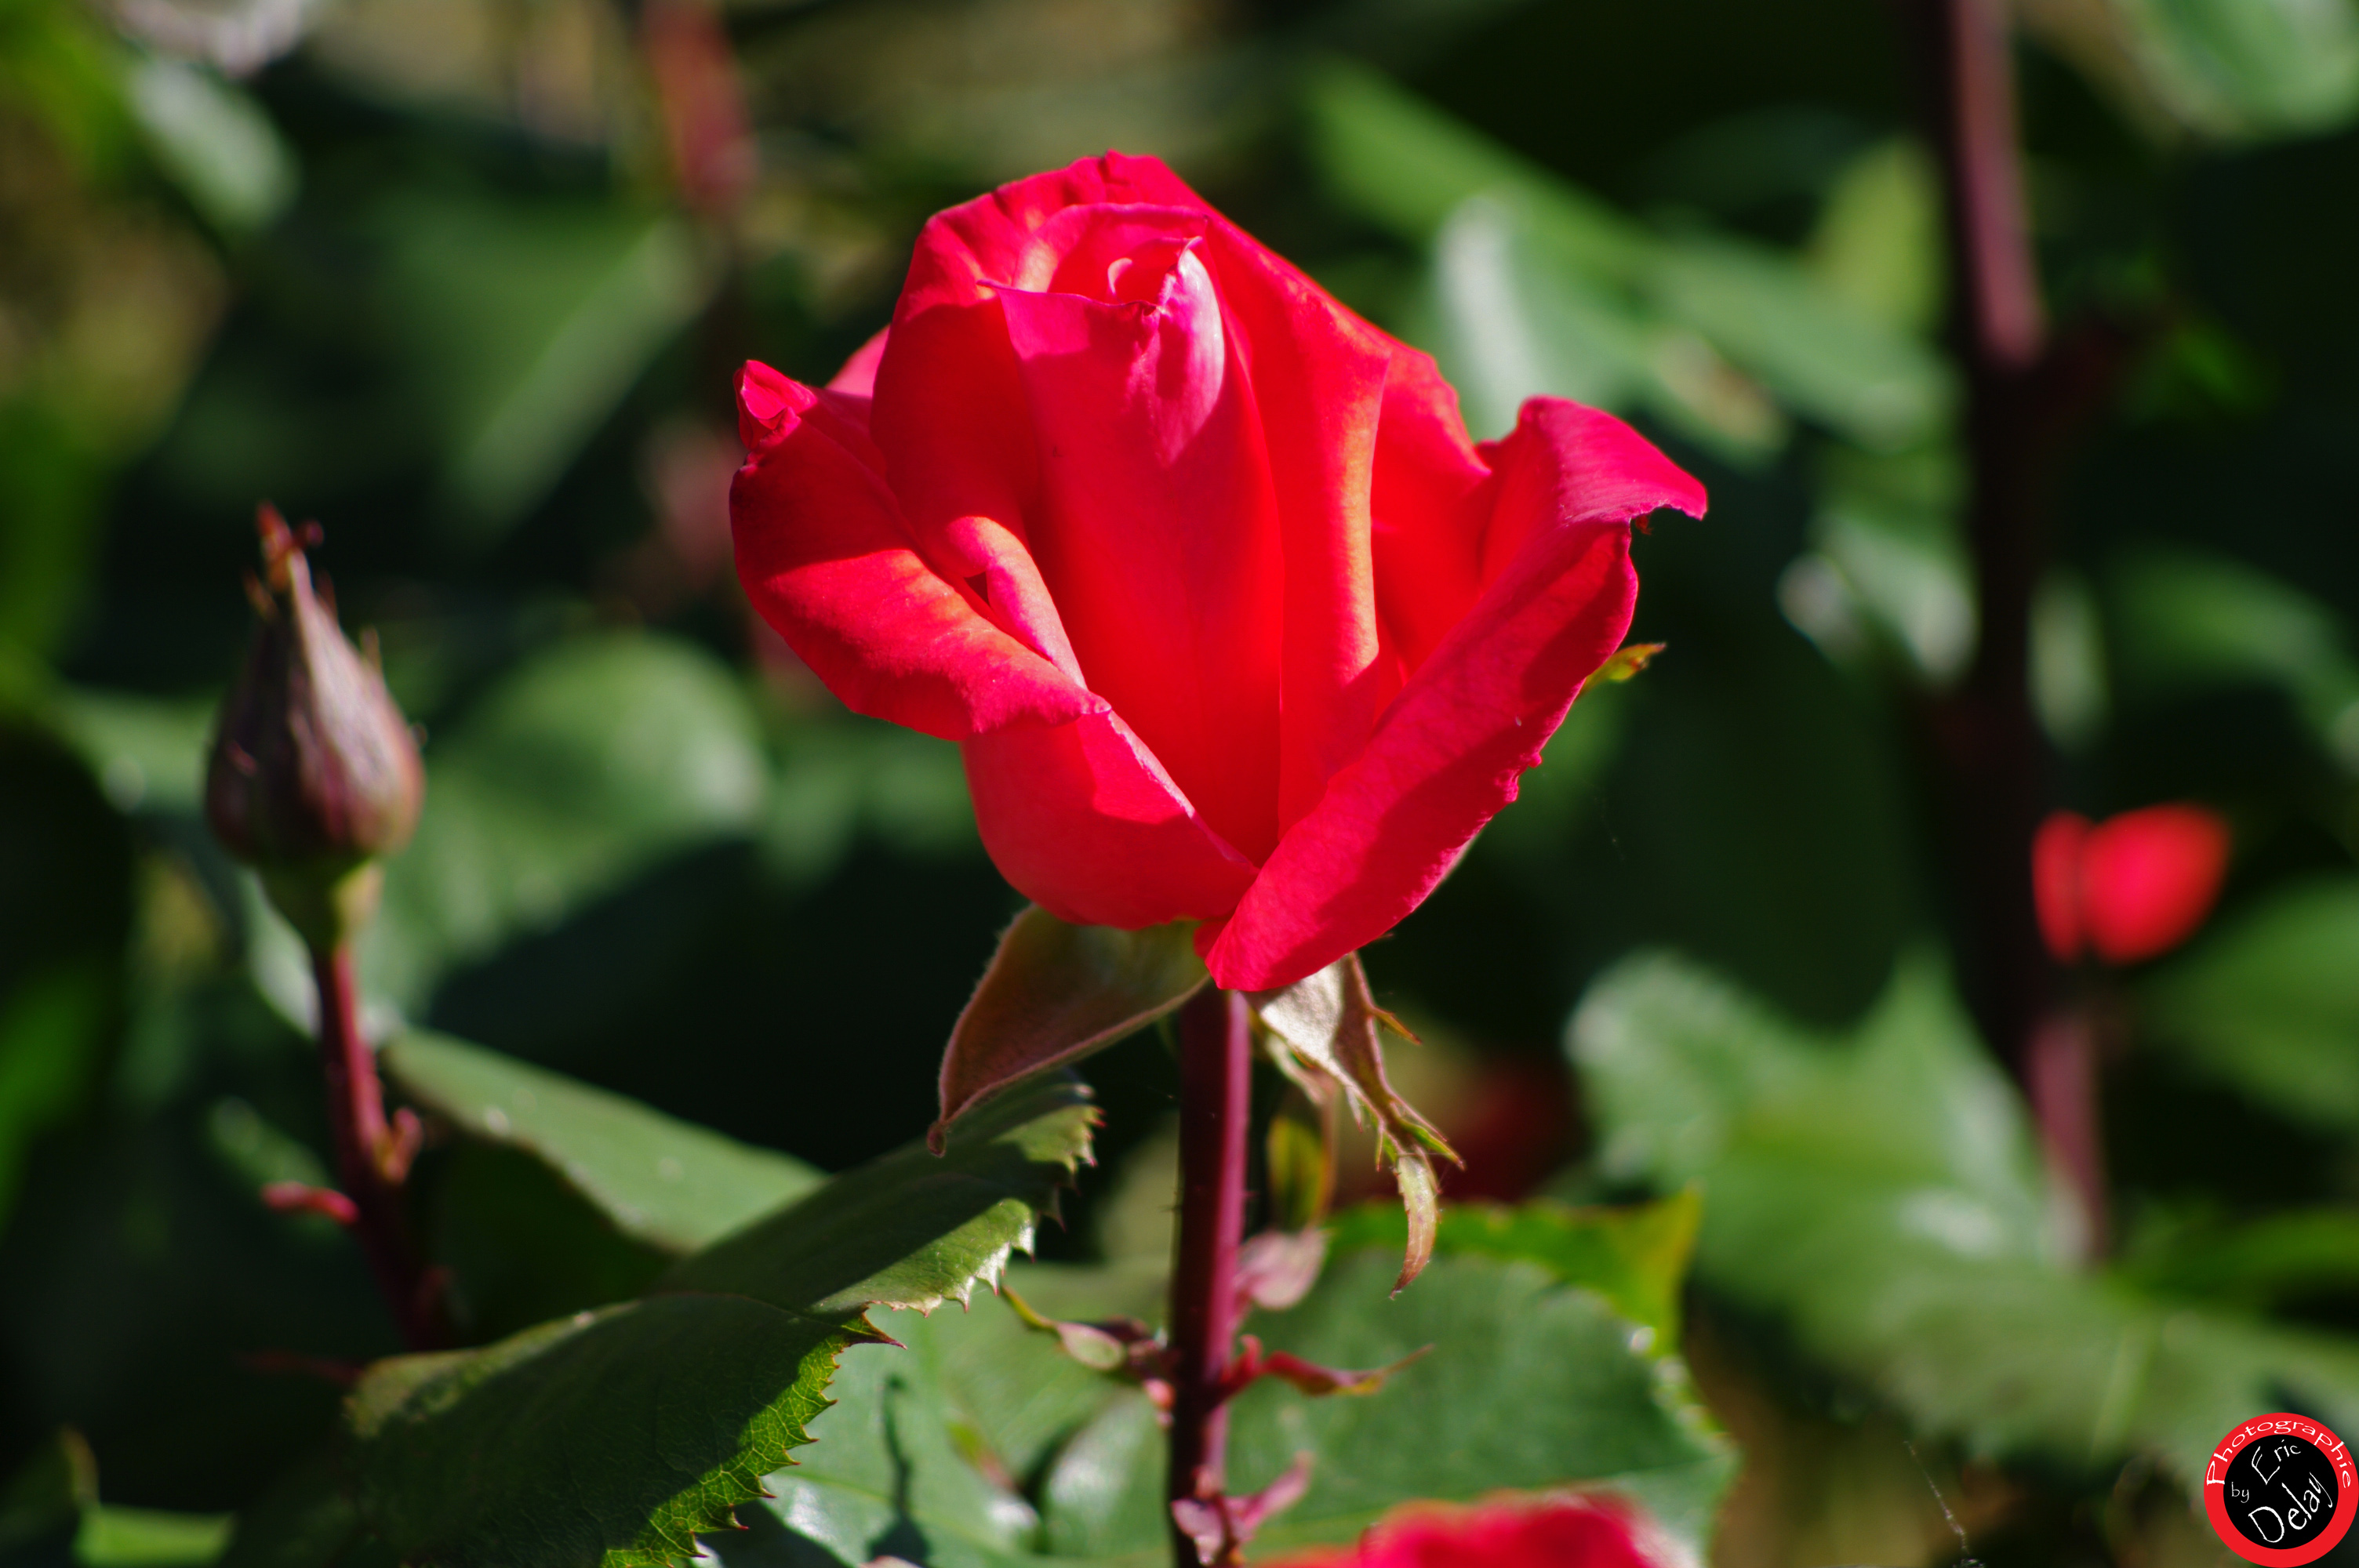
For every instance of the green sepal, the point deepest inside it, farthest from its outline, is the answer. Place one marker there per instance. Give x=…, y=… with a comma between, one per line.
x=1055, y=993
x=1325, y=1033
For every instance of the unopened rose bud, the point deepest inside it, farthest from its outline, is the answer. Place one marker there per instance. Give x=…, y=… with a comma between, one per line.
x=314, y=772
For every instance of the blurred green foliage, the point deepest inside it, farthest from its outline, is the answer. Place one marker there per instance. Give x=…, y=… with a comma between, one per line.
x=445, y=274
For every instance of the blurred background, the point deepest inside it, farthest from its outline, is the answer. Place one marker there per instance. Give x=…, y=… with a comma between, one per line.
x=466, y=281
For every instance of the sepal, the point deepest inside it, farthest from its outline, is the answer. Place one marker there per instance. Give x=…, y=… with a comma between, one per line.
x=1055, y=993
x=1123, y=1347
x=1627, y=660
x=1324, y=1034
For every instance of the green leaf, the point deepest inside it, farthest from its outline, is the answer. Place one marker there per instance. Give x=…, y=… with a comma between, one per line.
x=49, y=1492
x=1518, y=307
x=1876, y=1191
x=2188, y=621
x=112, y=1537
x=1398, y=159
x=49, y=1040
x=1636, y=1257
x=306, y=1520
x=1815, y=351
x=1887, y=573
x=581, y=769
x=1542, y=288
x=900, y=1467
x=2253, y=1264
x=52, y=1501
x=615, y=1437
x=1533, y=285
x=526, y=323
x=610, y=1437
x=146, y=752
x=565, y=1197
x=844, y=774
x=1531, y=1384
x=215, y=140
x=2227, y=69
x=913, y=1228
x=670, y=1184
x=1691, y=1069
x=1877, y=242
x=2265, y=1003
x=1017, y=1391
x=521, y=1243
x=1054, y=993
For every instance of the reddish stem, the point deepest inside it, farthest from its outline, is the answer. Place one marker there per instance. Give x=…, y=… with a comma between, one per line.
x=2021, y=396
x=1997, y=278
x=1215, y=1113
x=370, y=1165
x=2062, y=1071
x=1995, y=752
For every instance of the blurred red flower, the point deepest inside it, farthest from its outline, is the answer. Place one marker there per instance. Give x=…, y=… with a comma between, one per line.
x=1233, y=620
x=1566, y=1535
x=2130, y=888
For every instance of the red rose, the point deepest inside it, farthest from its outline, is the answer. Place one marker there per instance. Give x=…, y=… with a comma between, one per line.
x=1553, y=1535
x=2133, y=887
x=1233, y=621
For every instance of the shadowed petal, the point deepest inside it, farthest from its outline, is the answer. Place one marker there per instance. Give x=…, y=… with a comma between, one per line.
x=1086, y=824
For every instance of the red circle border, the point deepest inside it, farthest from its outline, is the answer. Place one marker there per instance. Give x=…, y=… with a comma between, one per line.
x=2346, y=1482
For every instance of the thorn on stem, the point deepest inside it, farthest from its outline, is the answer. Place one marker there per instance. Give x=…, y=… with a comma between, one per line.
x=294, y=1363
x=402, y=1141
x=1220, y=1525
x=302, y=1197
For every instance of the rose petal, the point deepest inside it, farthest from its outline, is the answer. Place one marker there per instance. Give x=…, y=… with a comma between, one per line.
x=2056, y=883
x=992, y=239
x=1429, y=509
x=1086, y=824
x=826, y=558
x=1155, y=534
x=1317, y=378
x=956, y=433
x=2149, y=878
x=1446, y=754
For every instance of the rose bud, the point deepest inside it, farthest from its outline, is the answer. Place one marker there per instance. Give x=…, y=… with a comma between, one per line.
x=314, y=774
x=1566, y=1535
x=1232, y=620
x=2130, y=888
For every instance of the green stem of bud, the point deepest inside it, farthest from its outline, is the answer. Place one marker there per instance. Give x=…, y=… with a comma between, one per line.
x=327, y=907
x=371, y=1159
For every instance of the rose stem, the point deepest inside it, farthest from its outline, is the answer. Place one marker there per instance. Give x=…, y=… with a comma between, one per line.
x=1215, y=1110
x=357, y=1124
x=1998, y=760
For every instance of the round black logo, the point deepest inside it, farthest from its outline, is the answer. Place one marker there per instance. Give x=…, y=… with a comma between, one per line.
x=2280, y=1490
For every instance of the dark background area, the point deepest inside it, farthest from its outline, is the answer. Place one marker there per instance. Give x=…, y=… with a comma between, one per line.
x=465, y=281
